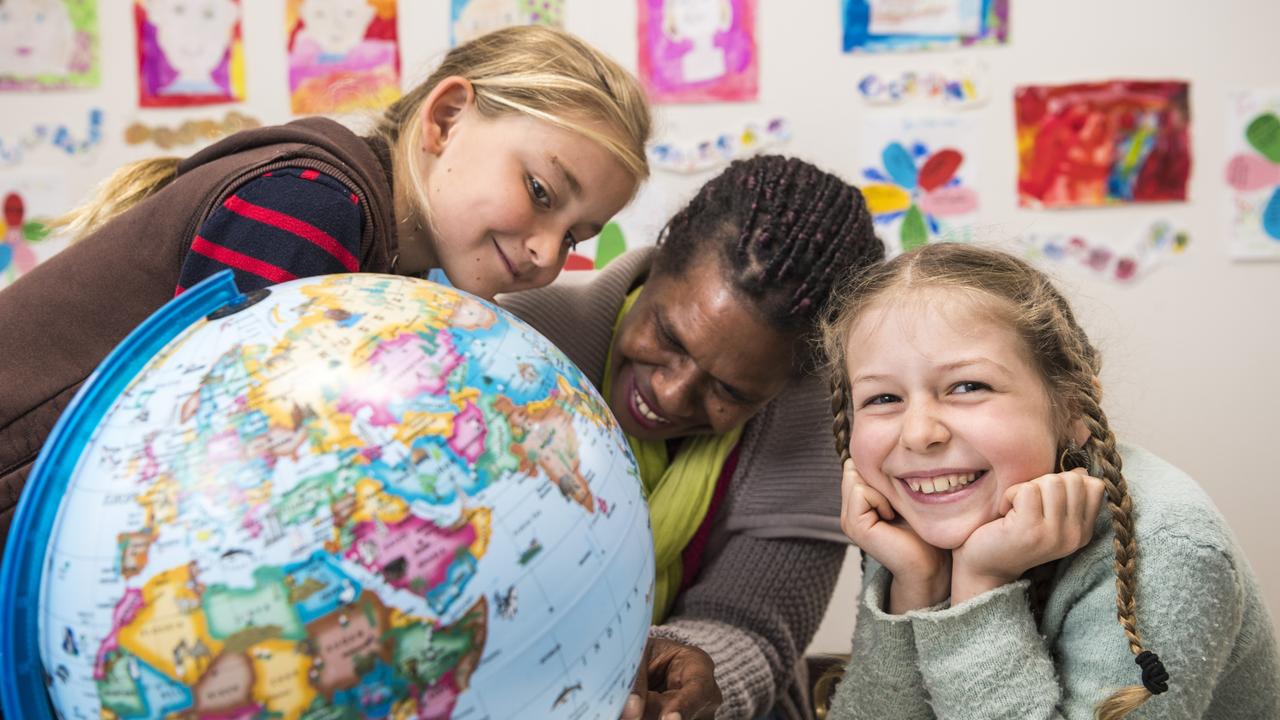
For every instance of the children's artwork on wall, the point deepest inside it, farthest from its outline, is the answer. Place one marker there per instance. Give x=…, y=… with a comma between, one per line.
x=469, y=19
x=1253, y=174
x=919, y=178
x=13, y=150
x=189, y=131
x=343, y=54
x=189, y=52
x=1103, y=143
x=1154, y=244
x=29, y=200
x=48, y=44
x=609, y=244
x=698, y=50
x=904, y=25
x=964, y=86
x=718, y=151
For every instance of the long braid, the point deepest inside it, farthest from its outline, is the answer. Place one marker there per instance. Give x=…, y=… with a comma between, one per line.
x=1105, y=456
x=1103, y=452
x=840, y=426
x=1081, y=366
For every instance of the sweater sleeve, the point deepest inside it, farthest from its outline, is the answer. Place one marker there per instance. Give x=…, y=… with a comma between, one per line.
x=286, y=224
x=754, y=609
x=985, y=657
x=882, y=679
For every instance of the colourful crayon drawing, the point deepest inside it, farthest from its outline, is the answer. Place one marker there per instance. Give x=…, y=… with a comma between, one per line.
x=698, y=50
x=959, y=88
x=922, y=190
x=188, y=132
x=905, y=25
x=343, y=54
x=1154, y=244
x=48, y=44
x=469, y=19
x=56, y=134
x=28, y=202
x=189, y=52
x=1103, y=143
x=1253, y=174
x=724, y=148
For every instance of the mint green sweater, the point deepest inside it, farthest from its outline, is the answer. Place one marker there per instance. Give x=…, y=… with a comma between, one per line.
x=1199, y=608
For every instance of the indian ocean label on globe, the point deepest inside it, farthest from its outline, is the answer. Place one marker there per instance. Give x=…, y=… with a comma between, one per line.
x=364, y=496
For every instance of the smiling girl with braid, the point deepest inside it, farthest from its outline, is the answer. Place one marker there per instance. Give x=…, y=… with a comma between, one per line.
x=1005, y=530
x=700, y=346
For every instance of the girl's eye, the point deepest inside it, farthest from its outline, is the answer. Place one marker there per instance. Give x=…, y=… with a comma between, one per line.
x=539, y=192
x=570, y=241
x=969, y=386
x=881, y=399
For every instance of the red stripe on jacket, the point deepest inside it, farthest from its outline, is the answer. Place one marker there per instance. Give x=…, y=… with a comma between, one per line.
x=240, y=261
x=294, y=226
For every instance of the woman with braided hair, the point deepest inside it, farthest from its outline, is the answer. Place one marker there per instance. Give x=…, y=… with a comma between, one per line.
x=702, y=348
x=1004, y=528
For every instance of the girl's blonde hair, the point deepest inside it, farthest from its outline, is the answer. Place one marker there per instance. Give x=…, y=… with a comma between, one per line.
x=539, y=71
x=534, y=70
x=1025, y=299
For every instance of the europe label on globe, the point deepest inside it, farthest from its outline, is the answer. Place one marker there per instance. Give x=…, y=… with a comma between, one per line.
x=362, y=497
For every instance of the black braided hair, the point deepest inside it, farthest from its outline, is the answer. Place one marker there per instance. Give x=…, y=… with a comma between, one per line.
x=786, y=231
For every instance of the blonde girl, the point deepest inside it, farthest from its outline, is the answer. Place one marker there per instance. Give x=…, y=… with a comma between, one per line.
x=521, y=144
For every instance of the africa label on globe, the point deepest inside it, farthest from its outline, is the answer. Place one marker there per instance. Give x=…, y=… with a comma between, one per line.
x=361, y=497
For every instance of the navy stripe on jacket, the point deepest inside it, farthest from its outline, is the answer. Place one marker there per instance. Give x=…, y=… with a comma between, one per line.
x=287, y=224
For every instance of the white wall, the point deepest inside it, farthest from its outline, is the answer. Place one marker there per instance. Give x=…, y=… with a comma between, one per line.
x=1191, y=351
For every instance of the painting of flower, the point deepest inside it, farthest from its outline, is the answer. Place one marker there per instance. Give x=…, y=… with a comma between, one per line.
x=1253, y=174
x=919, y=189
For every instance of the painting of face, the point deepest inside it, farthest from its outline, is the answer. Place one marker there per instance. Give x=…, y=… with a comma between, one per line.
x=337, y=26
x=698, y=50
x=344, y=55
x=189, y=52
x=36, y=38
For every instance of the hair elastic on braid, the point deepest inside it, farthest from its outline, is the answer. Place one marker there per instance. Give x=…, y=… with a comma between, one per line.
x=1154, y=677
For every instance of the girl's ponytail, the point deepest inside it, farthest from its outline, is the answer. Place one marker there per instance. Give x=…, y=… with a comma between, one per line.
x=126, y=187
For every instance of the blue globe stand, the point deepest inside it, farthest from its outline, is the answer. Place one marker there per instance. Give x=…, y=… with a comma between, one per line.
x=22, y=675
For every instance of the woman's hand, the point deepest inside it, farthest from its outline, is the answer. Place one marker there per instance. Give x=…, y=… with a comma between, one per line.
x=674, y=680
x=1040, y=521
x=921, y=572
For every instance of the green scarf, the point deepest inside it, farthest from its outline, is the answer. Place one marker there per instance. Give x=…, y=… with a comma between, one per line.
x=679, y=491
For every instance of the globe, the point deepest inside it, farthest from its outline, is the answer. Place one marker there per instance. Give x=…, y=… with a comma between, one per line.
x=354, y=496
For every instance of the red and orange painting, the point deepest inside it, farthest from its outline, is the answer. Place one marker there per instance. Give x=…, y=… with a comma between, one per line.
x=1088, y=144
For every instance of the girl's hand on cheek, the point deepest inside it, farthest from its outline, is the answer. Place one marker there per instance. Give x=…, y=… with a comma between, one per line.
x=1042, y=520
x=921, y=572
